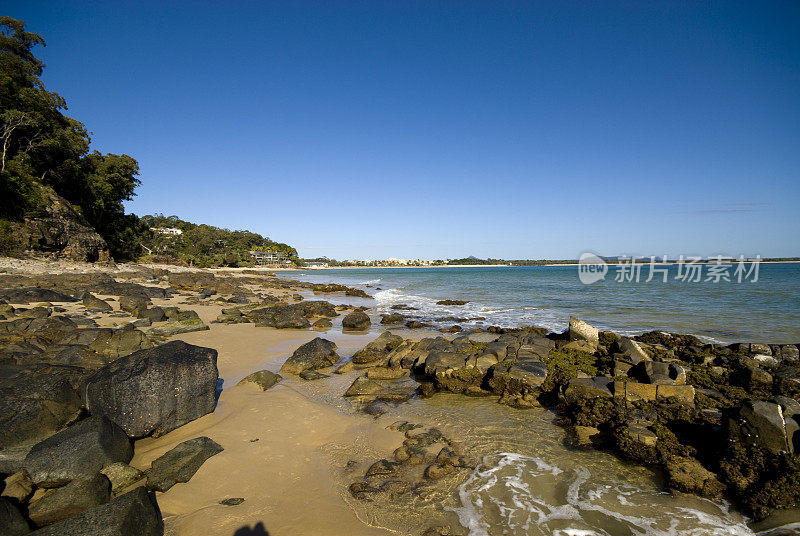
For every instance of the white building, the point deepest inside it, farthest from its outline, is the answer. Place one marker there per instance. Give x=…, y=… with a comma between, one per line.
x=270, y=257
x=174, y=231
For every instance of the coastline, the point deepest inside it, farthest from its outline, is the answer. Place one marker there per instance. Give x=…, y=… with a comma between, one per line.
x=294, y=452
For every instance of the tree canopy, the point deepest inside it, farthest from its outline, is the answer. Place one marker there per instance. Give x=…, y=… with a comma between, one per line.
x=206, y=245
x=41, y=145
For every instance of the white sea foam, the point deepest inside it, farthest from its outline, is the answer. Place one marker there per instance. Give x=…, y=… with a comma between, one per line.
x=514, y=494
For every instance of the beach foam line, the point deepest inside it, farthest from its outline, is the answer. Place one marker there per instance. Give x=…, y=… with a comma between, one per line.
x=513, y=493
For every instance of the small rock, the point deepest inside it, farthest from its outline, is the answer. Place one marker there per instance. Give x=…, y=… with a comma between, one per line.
x=264, y=379
x=180, y=463
x=232, y=501
x=364, y=386
x=121, y=475
x=356, y=321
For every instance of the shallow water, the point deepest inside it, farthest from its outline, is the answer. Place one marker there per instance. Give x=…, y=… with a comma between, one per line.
x=529, y=482
x=767, y=310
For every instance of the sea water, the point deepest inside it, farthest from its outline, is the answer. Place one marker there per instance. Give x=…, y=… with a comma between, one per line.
x=766, y=310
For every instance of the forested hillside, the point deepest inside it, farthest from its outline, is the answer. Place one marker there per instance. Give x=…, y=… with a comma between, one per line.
x=206, y=245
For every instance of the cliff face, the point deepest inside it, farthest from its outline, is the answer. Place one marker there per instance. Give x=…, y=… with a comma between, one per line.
x=60, y=231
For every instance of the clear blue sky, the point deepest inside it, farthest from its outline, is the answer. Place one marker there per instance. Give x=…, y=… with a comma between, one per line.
x=444, y=129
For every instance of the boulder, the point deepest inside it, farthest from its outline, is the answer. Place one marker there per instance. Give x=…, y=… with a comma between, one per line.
x=378, y=349
x=657, y=372
x=119, y=342
x=523, y=377
x=392, y=318
x=170, y=329
x=322, y=324
x=121, y=475
x=34, y=295
x=315, y=354
x=153, y=314
x=760, y=423
x=79, y=495
x=18, y=486
x=35, y=407
x=133, y=303
x=588, y=388
x=629, y=350
x=689, y=476
x=364, y=386
x=451, y=302
x=191, y=280
x=135, y=513
x=181, y=463
x=156, y=390
x=264, y=379
x=581, y=331
x=356, y=321
x=12, y=522
x=94, y=304
x=81, y=450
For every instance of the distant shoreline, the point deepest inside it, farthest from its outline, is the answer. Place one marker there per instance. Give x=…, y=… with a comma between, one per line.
x=488, y=266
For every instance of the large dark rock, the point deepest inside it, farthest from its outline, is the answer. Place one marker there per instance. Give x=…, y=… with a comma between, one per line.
x=33, y=294
x=523, y=377
x=378, y=349
x=356, y=321
x=114, y=343
x=135, y=513
x=155, y=390
x=191, y=280
x=95, y=304
x=33, y=407
x=81, y=450
x=57, y=229
x=79, y=495
x=760, y=423
x=133, y=303
x=12, y=522
x=316, y=354
x=181, y=463
x=279, y=316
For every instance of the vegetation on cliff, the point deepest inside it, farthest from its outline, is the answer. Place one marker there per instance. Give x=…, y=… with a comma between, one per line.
x=205, y=245
x=42, y=147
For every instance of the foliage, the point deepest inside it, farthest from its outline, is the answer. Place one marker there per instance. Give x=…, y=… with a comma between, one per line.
x=41, y=144
x=206, y=245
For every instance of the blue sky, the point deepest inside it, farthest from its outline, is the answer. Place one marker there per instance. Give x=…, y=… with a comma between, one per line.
x=445, y=129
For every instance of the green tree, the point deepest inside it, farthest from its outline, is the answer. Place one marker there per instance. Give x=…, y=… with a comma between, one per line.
x=42, y=145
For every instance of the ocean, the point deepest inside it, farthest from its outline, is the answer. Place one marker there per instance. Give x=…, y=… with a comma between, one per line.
x=528, y=482
x=763, y=310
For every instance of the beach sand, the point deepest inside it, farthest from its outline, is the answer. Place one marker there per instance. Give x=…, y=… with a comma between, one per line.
x=275, y=445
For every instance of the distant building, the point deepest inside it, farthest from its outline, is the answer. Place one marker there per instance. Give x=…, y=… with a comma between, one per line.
x=270, y=257
x=174, y=231
x=316, y=264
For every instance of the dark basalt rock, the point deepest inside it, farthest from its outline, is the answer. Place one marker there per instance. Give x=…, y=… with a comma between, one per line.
x=81, y=450
x=34, y=295
x=356, y=321
x=135, y=513
x=315, y=354
x=156, y=390
x=451, y=302
x=378, y=349
x=191, y=280
x=181, y=463
x=95, y=304
x=12, y=522
x=33, y=407
x=79, y=495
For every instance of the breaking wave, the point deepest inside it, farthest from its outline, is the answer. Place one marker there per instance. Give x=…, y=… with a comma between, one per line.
x=514, y=494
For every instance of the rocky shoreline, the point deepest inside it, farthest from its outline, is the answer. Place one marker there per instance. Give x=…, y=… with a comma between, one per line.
x=88, y=368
